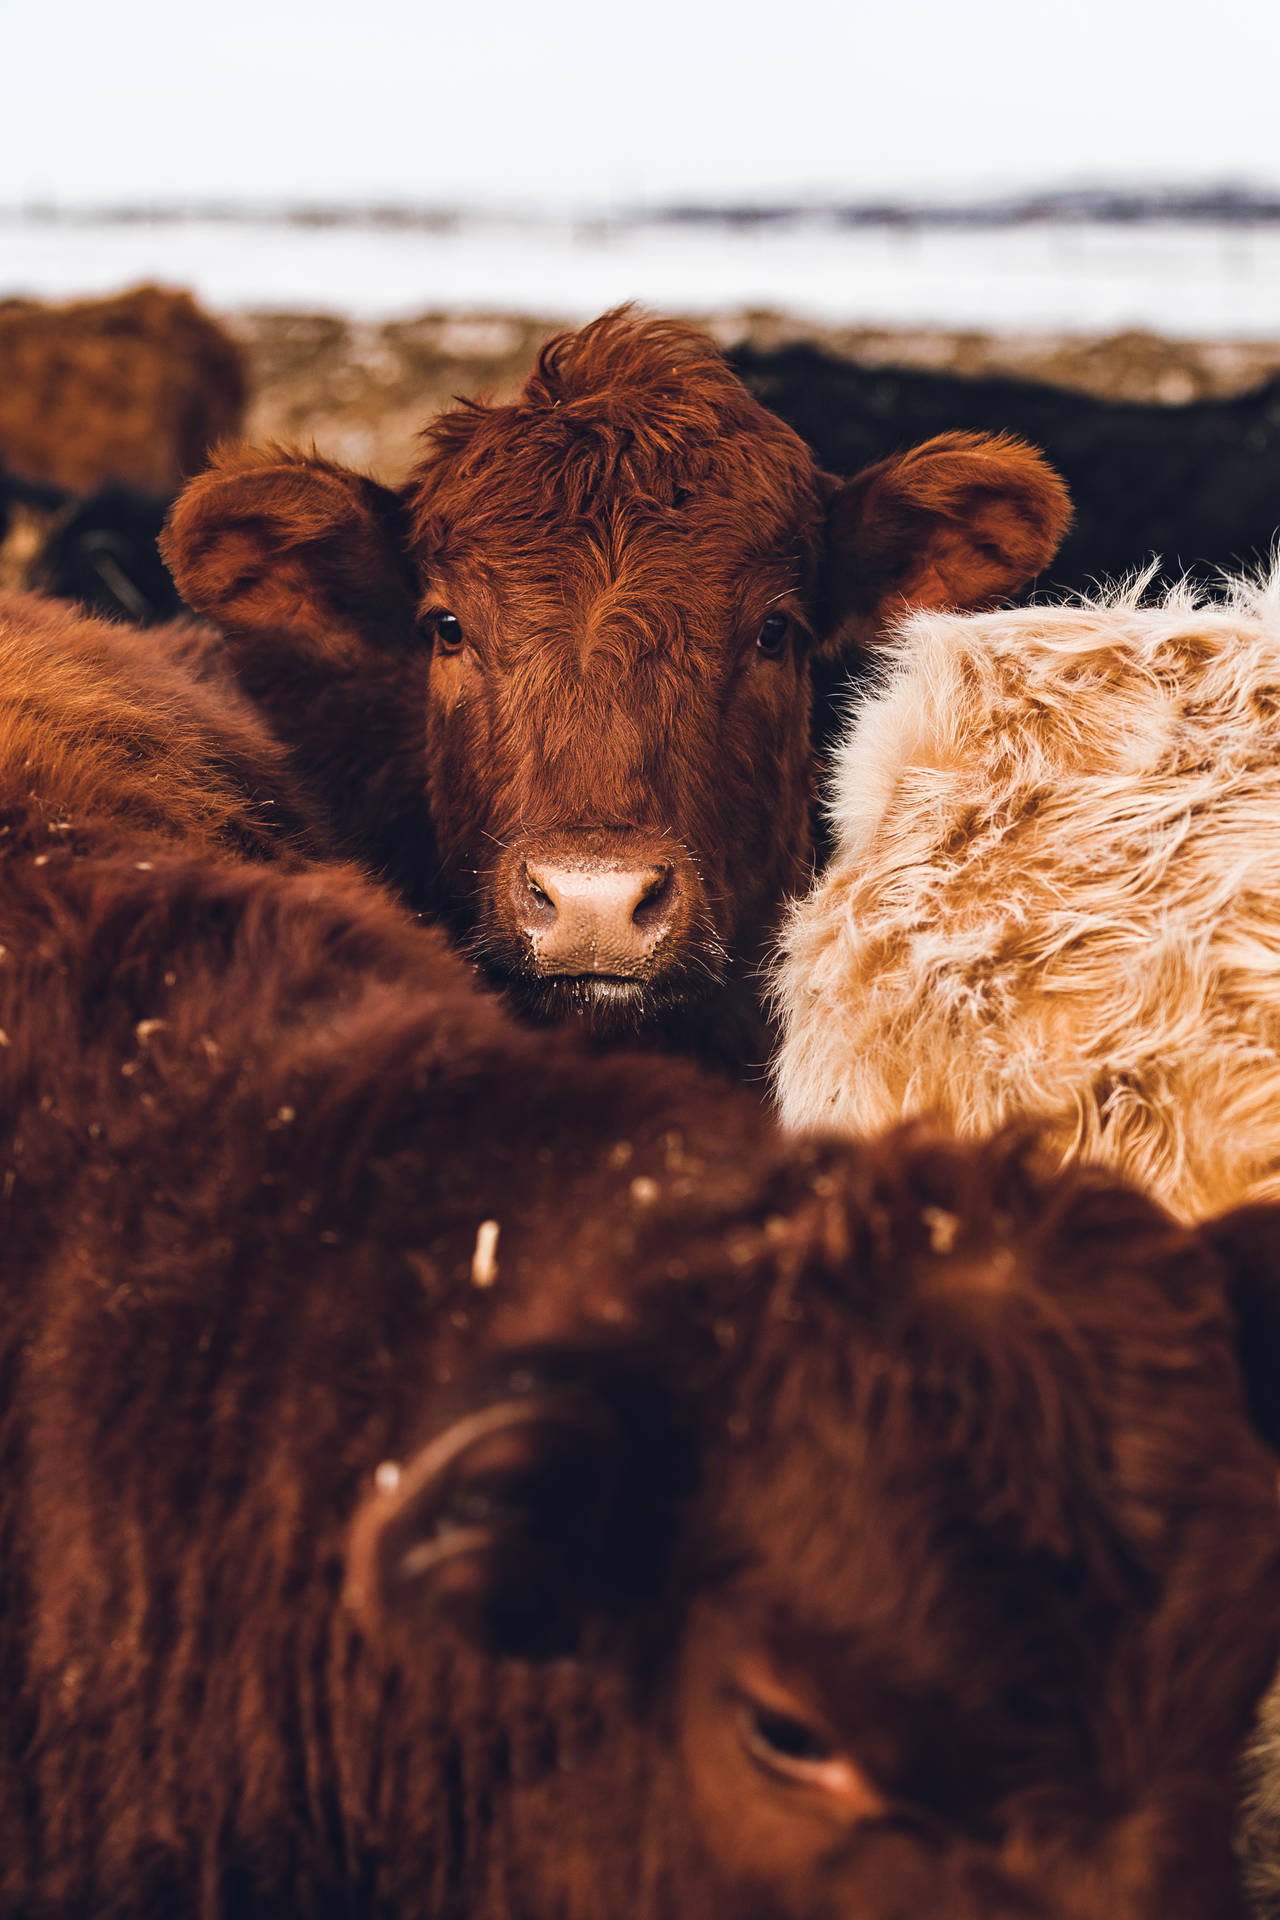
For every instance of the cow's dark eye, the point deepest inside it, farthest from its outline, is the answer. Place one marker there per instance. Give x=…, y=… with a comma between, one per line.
x=447, y=629
x=784, y=1743
x=793, y=1750
x=772, y=637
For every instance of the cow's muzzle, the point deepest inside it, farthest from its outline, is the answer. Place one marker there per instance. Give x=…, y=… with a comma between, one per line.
x=602, y=918
x=608, y=909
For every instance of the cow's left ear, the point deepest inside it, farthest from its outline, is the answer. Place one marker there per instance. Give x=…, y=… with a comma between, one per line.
x=268, y=541
x=1247, y=1242
x=958, y=522
x=529, y=1519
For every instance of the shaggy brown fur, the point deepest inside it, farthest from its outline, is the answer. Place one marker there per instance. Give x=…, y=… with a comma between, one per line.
x=902, y=1510
x=1054, y=894
x=250, y=1141
x=112, y=742
x=134, y=388
x=582, y=634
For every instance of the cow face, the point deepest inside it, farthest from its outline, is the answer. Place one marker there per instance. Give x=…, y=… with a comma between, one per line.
x=917, y=1614
x=619, y=621
x=579, y=645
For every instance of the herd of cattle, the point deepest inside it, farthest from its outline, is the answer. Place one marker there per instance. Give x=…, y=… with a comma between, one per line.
x=553, y=1365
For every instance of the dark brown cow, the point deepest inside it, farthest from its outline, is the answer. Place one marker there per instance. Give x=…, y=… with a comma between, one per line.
x=899, y=1510
x=135, y=388
x=567, y=667
x=363, y=1354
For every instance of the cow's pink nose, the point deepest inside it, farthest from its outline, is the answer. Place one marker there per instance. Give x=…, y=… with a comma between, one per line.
x=595, y=919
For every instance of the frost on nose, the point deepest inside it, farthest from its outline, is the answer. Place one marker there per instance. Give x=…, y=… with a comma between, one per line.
x=598, y=918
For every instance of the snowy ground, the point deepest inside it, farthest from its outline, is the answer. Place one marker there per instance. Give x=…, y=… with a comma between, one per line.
x=1192, y=281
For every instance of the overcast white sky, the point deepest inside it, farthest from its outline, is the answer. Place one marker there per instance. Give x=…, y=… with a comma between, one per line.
x=581, y=101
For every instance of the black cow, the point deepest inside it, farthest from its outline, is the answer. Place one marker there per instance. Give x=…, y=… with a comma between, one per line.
x=98, y=550
x=1199, y=484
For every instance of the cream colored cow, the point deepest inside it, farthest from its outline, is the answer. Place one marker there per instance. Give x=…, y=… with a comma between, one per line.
x=1056, y=893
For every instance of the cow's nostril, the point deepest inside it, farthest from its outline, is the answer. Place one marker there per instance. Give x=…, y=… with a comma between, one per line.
x=542, y=890
x=598, y=917
x=655, y=897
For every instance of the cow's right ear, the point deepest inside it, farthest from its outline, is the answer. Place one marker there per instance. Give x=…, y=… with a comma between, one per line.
x=533, y=1517
x=958, y=523
x=269, y=541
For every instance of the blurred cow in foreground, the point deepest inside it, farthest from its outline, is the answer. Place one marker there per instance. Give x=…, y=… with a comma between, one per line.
x=451, y=1472
x=561, y=681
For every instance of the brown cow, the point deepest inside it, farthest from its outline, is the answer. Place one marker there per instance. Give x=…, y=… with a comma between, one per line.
x=568, y=665
x=900, y=1509
x=106, y=408
x=135, y=388
x=111, y=739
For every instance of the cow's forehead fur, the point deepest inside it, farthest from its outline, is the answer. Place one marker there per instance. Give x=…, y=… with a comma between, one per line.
x=963, y=1414
x=623, y=596
x=627, y=424
x=930, y=1317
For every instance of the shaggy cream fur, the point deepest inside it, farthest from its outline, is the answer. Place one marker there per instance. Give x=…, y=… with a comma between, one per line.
x=1056, y=892
x=1258, y=1839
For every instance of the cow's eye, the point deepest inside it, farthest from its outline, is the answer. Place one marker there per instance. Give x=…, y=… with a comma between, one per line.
x=783, y=1743
x=797, y=1749
x=772, y=637
x=447, y=629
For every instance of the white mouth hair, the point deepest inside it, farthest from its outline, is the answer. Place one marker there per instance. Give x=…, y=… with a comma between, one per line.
x=609, y=987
